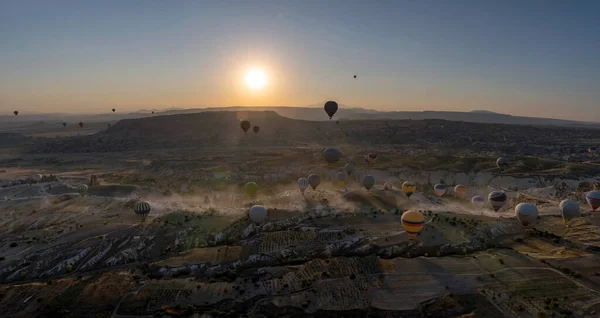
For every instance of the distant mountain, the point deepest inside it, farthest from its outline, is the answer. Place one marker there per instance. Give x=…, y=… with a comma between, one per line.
x=311, y=113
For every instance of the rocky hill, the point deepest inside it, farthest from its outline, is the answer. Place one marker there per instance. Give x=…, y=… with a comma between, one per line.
x=222, y=129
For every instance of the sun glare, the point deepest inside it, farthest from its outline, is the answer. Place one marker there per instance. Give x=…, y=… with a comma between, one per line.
x=256, y=79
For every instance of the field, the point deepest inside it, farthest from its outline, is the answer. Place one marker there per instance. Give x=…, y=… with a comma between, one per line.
x=337, y=251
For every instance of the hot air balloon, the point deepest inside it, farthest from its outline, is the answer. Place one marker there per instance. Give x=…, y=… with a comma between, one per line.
x=478, y=201
x=257, y=213
x=439, y=189
x=80, y=124
x=303, y=184
x=113, y=110
x=317, y=156
x=64, y=124
x=244, y=167
x=387, y=186
x=460, y=191
x=16, y=112
x=36, y=177
x=412, y=222
x=349, y=167
x=250, y=188
x=256, y=129
x=593, y=199
x=368, y=181
x=526, y=213
x=245, y=125
x=331, y=108
x=371, y=158
x=354, y=76
x=83, y=189
x=152, y=112
x=314, y=180
x=569, y=210
x=501, y=163
x=332, y=155
x=408, y=188
x=497, y=199
x=142, y=208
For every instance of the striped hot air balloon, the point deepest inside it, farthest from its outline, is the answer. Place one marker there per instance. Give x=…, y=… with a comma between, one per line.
x=412, y=222
x=497, y=199
x=593, y=199
x=142, y=208
x=460, y=191
x=83, y=189
x=302, y=184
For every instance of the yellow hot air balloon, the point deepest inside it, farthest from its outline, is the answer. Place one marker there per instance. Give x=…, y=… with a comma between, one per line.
x=460, y=191
x=408, y=188
x=412, y=222
x=251, y=188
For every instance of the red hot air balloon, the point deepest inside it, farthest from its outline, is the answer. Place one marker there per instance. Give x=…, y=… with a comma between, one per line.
x=331, y=108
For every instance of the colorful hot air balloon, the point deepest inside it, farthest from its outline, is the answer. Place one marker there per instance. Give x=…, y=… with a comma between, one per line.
x=142, y=208
x=16, y=112
x=303, y=184
x=368, y=182
x=412, y=222
x=460, y=191
x=439, y=189
x=113, y=110
x=256, y=129
x=64, y=124
x=83, y=189
x=251, y=188
x=502, y=163
x=478, y=201
x=526, y=213
x=257, y=213
x=409, y=188
x=593, y=199
x=80, y=124
x=569, y=210
x=332, y=155
x=387, y=186
x=245, y=125
x=331, y=108
x=314, y=180
x=497, y=199
x=349, y=167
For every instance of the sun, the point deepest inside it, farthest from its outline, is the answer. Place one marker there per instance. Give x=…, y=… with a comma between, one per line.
x=256, y=79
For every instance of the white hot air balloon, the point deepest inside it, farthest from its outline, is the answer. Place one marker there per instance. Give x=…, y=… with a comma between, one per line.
x=257, y=213
x=439, y=189
x=36, y=177
x=526, y=213
x=478, y=201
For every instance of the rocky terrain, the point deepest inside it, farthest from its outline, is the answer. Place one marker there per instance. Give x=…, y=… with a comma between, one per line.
x=337, y=251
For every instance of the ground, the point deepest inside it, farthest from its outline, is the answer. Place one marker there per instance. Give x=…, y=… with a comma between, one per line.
x=338, y=250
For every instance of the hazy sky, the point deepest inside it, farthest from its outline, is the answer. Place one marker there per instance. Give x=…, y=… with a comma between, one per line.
x=533, y=58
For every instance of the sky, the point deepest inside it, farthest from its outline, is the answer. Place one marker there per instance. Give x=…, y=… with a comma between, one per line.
x=532, y=58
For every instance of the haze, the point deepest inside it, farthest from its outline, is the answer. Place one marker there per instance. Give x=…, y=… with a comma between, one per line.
x=534, y=58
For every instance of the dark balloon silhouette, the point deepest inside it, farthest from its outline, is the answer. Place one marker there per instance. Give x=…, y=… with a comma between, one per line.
x=108, y=125
x=113, y=110
x=331, y=108
x=64, y=124
x=256, y=129
x=16, y=112
x=354, y=76
x=80, y=124
x=245, y=125
x=152, y=112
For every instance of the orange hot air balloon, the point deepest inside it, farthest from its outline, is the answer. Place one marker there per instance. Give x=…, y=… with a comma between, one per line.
x=412, y=222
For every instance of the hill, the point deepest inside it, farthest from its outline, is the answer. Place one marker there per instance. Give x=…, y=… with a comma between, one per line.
x=221, y=129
